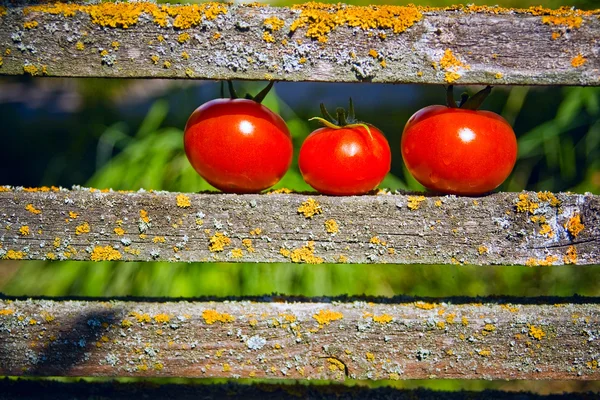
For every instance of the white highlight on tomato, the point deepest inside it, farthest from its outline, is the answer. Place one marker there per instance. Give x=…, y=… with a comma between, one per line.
x=246, y=127
x=350, y=149
x=466, y=135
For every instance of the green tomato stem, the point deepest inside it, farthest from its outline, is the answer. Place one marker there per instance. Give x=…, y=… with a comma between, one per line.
x=331, y=125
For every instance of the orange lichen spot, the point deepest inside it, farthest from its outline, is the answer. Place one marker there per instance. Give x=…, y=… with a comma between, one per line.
x=305, y=254
x=452, y=65
x=106, y=253
x=14, y=255
x=484, y=353
x=162, y=318
x=324, y=317
x=256, y=231
x=185, y=55
x=571, y=256
x=2, y=11
x=331, y=226
x=119, y=231
x=310, y=208
x=524, y=204
x=273, y=23
x=499, y=75
x=183, y=37
x=450, y=318
x=158, y=239
x=7, y=311
x=451, y=76
x=144, y=216
x=24, y=230
x=30, y=24
x=383, y=64
x=335, y=365
x=541, y=262
x=31, y=69
x=548, y=197
x=440, y=325
x=556, y=35
x=247, y=243
x=212, y=316
x=79, y=46
x=574, y=225
x=373, y=53
x=141, y=318
x=267, y=37
x=237, y=253
x=83, y=228
x=302, y=60
x=383, y=318
x=183, y=201
x=538, y=219
x=546, y=230
x=535, y=332
x=414, y=202
x=370, y=357
x=218, y=242
x=155, y=59
x=567, y=21
x=578, y=60
x=73, y=215
x=375, y=240
x=482, y=250
x=425, y=306
x=216, y=35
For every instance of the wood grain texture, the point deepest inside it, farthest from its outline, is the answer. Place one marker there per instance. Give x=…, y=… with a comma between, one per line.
x=490, y=46
x=274, y=338
x=525, y=228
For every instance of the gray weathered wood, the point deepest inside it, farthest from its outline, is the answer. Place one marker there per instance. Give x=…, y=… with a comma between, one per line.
x=495, y=46
x=504, y=228
x=274, y=338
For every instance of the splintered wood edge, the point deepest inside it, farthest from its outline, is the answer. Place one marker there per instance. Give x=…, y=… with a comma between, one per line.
x=527, y=228
x=300, y=340
x=468, y=45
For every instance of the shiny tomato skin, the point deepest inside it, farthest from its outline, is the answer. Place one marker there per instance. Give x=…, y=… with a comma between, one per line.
x=457, y=151
x=346, y=161
x=238, y=145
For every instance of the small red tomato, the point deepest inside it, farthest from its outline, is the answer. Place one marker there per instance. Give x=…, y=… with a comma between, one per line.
x=457, y=150
x=238, y=145
x=345, y=160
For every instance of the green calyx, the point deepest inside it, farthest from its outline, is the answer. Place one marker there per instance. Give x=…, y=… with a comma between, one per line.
x=466, y=102
x=342, y=120
x=258, y=98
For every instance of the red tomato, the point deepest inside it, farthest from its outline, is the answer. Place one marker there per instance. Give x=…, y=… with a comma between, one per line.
x=238, y=146
x=345, y=161
x=458, y=151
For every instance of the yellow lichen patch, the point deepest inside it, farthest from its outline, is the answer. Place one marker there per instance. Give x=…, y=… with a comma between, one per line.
x=414, y=202
x=32, y=209
x=335, y=365
x=273, y=23
x=310, y=208
x=247, y=243
x=450, y=318
x=218, y=242
x=24, y=230
x=452, y=65
x=267, y=37
x=536, y=333
x=556, y=35
x=383, y=318
x=7, y=311
x=578, y=60
x=487, y=329
x=73, y=215
x=104, y=53
x=2, y=11
x=185, y=55
x=115, y=45
x=50, y=256
x=183, y=37
x=592, y=364
x=484, y=353
x=320, y=19
x=571, y=256
x=31, y=69
x=375, y=240
x=83, y=228
x=425, y=306
x=482, y=250
x=183, y=201
x=508, y=307
x=14, y=255
x=56, y=242
x=548, y=197
x=305, y=254
x=331, y=226
x=256, y=231
x=30, y=24
x=1, y=62
x=144, y=216
x=574, y=225
x=281, y=191
x=541, y=262
x=567, y=21
x=158, y=239
x=162, y=318
x=546, y=230
x=216, y=35
x=106, y=253
x=499, y=75
x=342, y=259
x=212, y=316
x=237, y=253
x=373, y=53
x=119, y=231
x=370, y=357
x=324, y=317
x=524, y=204
x=155, y=59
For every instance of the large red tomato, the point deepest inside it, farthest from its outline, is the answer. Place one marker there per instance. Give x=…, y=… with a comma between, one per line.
x=345, y=161
x=238, y=145
x=458, y=151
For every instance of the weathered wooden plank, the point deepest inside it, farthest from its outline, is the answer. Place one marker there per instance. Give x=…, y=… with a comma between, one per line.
x=465, y=45
x=525, y=228
x=274, y=338
x=42, y=389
